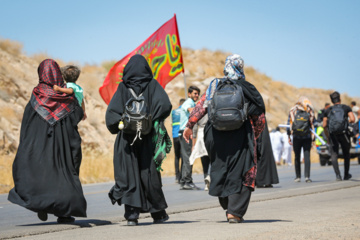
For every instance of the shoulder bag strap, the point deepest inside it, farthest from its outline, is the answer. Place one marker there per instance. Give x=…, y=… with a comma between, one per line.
x=134, y=94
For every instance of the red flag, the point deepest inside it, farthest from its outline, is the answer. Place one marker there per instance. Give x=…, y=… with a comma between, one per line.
x=162, y=50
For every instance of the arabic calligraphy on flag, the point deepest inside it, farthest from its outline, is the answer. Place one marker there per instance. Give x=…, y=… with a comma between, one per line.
x=162, y=50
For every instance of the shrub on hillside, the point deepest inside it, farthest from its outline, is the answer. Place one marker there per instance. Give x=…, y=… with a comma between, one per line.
x=108, y=65
x=12, y=47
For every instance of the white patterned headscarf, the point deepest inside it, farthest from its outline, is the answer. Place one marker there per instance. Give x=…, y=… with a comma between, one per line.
x=234, y=67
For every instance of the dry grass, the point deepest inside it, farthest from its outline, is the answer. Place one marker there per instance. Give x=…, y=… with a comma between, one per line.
x=107, y=65
x=6, y=180
x=39, y=57
x=10, y=46
x=96, y=168
x=91, y=78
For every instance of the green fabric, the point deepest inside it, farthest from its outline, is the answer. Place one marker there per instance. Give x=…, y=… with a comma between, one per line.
x=162, y=143
x=78, y=91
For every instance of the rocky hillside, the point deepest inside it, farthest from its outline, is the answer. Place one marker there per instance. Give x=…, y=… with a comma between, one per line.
x=18, y=76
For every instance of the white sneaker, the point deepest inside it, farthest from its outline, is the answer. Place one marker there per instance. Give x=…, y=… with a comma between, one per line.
x=207, y=183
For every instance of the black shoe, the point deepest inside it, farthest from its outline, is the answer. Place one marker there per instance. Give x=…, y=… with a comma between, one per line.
x=161, y=220
x=338, y=178
x=65, y=220
x=42, y=216
x=347, y=177
x=132, y=222
x=190, y=186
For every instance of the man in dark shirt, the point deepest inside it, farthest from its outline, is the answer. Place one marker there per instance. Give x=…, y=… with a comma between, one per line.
x=332, y=121
x=321, y=113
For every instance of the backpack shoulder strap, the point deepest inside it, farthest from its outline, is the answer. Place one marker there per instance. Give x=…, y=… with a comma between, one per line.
x=134, y=94
x=211, y=89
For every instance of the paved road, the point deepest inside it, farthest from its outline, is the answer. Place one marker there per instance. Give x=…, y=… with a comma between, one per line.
x=16, y=221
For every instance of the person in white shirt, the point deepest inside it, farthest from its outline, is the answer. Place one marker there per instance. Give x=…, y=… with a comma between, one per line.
x=287, y=149
x=277, y=144
x=356, y=110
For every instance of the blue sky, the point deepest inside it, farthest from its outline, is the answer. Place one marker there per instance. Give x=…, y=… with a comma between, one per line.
x=307, y=43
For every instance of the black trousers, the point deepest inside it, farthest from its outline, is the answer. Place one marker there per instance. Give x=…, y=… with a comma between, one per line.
x=177, y=149
x=186, y=168
x=132, y=213
x=305, y=143
x=205, y=161
x=344, y=141
x=238, y=203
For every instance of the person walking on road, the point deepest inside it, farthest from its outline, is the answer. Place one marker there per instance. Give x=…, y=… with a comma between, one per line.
x=266, y=174
x=137, y=180
x=199, y=150
x=287, y=149
x=186, y=181
x=277, y=145
x=230, y=137
x=175, y=118
x=301, y=120
x=47, y=163
x=336, y=122
x=356, y=110
x=321, y=112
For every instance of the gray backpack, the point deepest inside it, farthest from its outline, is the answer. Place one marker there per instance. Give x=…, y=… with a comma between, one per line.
x=228, y=109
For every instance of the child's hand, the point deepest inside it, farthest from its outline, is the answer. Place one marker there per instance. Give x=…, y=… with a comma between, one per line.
x=56, y=88
x=85, y=116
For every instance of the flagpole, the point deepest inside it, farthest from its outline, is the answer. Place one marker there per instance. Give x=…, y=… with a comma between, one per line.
x=185, y=88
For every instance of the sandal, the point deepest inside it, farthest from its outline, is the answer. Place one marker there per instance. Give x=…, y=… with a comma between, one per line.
x=233, y=219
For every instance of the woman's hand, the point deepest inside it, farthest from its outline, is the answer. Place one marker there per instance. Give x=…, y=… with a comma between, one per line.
x=187, y=134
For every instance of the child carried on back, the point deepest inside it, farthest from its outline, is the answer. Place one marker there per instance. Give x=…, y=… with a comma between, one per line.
x=71, y=74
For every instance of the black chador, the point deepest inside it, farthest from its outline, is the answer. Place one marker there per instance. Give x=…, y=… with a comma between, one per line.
x=266, y=168
x=137, y=182
x=46, y=166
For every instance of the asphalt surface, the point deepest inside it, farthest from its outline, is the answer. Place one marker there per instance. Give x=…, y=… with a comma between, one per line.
x=322, y=209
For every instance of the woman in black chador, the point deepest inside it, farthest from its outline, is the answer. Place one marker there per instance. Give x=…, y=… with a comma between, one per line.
x=266, y=174
x=137, y=182
x=232, y=153
x=46, y=166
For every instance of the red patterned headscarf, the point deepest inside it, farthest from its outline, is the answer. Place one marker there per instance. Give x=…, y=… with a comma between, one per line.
x=52, y=106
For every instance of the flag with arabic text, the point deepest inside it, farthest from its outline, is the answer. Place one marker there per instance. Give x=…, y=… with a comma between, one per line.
x=162, y=50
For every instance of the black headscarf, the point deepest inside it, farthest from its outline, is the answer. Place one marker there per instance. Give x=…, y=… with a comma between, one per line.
x=252, y=94
x=137, y=74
